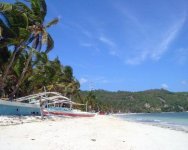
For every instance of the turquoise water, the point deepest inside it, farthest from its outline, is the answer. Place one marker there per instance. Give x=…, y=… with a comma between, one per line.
x=173, y=120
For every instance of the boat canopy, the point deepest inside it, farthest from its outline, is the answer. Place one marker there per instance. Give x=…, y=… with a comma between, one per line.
x=48, y=98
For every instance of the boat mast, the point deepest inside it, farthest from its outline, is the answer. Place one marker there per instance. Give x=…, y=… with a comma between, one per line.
x=70, y=103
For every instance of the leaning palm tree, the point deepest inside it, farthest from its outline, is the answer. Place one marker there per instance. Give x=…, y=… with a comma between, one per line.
x=13, y=32
x=4, y=56
x=39, y=35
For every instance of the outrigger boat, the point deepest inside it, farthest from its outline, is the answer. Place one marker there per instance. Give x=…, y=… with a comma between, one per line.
x=54, y=103
x=18, y=108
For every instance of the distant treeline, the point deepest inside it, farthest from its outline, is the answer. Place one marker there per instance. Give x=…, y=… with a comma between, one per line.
x=158, y=100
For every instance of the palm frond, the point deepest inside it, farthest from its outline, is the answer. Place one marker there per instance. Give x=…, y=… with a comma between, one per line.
x=50, y=44
x=24, y=34
x=53, y=22
x=35, y=6
x=5, y=7
x=14, y=19
x=35, y=42
x=4, y=19
x=30, y=40
x=43, y=8
x=39, y=8
x=22, y=7
x=6, y=34
x=44, y=37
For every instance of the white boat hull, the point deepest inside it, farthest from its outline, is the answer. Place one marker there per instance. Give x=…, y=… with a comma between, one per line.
x=70, y=113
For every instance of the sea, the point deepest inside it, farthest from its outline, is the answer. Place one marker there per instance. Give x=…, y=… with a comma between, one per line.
x=173, y=120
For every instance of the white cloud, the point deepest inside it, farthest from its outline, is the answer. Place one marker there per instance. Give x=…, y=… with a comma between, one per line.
x=107, y=41
x=164, y=86
x=83, y=80
x=152, y=43
x=167, y=39
x=112, y=47
x=153, y=50
x=138, y=59
x=130, y=15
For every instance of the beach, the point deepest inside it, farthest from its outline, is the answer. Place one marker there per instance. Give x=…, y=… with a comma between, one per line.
x=97, y=133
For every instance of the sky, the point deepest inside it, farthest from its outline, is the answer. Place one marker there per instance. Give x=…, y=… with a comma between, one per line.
x=127, y=45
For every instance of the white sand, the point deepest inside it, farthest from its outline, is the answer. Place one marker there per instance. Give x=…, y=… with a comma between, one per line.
x=99, y=133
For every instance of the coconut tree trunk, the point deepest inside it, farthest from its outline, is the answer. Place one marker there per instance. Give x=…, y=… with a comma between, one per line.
x=22, y=75
x=10, y=64
x=7, y=70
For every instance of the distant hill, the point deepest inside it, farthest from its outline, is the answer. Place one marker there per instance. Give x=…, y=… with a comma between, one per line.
x=157, y=100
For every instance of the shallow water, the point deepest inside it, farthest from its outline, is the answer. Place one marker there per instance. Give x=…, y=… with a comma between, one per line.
x=173, y=120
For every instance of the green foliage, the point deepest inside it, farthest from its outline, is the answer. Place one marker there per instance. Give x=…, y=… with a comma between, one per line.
x=24, y=65
x=68, y=73
x=5, y=7
x=53, y=22
x=146, y=101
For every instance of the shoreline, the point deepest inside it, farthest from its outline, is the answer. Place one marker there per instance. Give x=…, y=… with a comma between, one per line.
x=100, y=132
x=159, y=121
x=165, y=126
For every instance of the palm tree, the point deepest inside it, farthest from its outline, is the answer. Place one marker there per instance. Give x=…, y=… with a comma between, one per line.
x=91, y=100
x=39, y=35
x=67, y=74
x=13, y=32
x=44, y=72
x=15, y=72
x=22, y=27
x=4, y=56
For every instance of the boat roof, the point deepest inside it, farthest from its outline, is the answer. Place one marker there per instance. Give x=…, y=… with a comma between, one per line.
x=48, y=97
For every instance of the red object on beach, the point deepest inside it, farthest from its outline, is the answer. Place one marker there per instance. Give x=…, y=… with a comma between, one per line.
x=102, y=113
